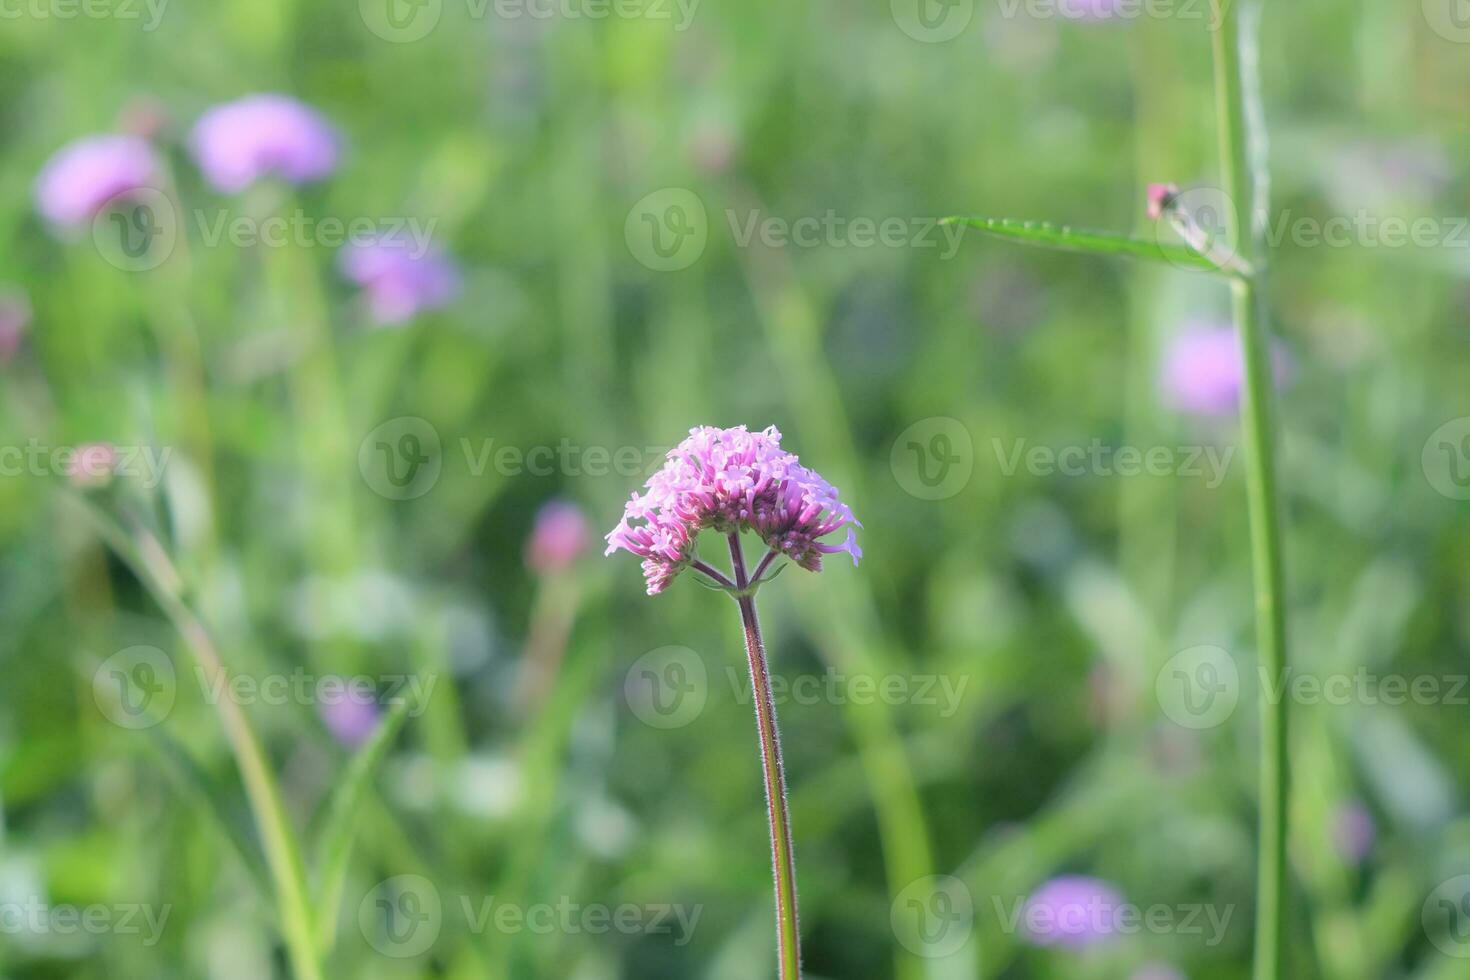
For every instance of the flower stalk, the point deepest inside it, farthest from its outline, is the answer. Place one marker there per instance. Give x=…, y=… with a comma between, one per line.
x=783, y=862
x=1241, y=153
x=730, y=481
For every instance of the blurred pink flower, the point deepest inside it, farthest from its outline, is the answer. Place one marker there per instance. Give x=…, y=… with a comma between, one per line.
x=1072, y=911
x=1353, y=831
x=732, y=480
x=558, y=538
x=92, y=464
x=83, y=176
x=1159, y=196
x=400, y=277
x=351, y=719
x=1203, y=369
x=237, y=143
x=15, y=316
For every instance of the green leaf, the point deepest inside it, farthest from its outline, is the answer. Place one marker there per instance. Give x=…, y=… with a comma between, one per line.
x=334, y=843
x=1068, y=239
x=195, y=781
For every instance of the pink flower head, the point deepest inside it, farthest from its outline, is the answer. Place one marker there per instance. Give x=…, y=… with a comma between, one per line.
x=1204, y=370
x=400, y=277
x=1072, y=911
x=731, y=480
x=558, y=538
x=83, y=176
x=238, y=143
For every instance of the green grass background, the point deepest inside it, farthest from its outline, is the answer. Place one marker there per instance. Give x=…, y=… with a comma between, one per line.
x=1056, y=600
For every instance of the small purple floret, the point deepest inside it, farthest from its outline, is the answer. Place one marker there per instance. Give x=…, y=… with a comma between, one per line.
x=732, y=480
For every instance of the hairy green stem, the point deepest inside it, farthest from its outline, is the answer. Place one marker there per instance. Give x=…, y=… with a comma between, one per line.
x=1240, y=154
x=783, y=863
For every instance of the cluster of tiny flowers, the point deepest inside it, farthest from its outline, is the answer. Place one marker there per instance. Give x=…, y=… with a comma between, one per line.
x=731, y=480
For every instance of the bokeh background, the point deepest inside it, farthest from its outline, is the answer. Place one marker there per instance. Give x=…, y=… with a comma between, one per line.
x=1069, y=612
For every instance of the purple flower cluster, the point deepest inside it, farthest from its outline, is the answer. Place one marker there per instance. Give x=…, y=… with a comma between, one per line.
x=236, y=144
x=731, y=480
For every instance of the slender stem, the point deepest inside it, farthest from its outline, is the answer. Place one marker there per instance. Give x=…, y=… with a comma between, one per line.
x=765, y=564
x=783, y=863
x=146, y=558
x=719, y=577
x=1235, y=85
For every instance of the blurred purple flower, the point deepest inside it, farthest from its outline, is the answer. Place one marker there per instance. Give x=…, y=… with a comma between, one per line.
x=1353, y=831
x=1072, y=911
x=558, y=538
x=237, y=143
x=731, y=480
x=401, y=278
x=83, y=176
x=351, y=719
x=1203, y=369
x=15, y=316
